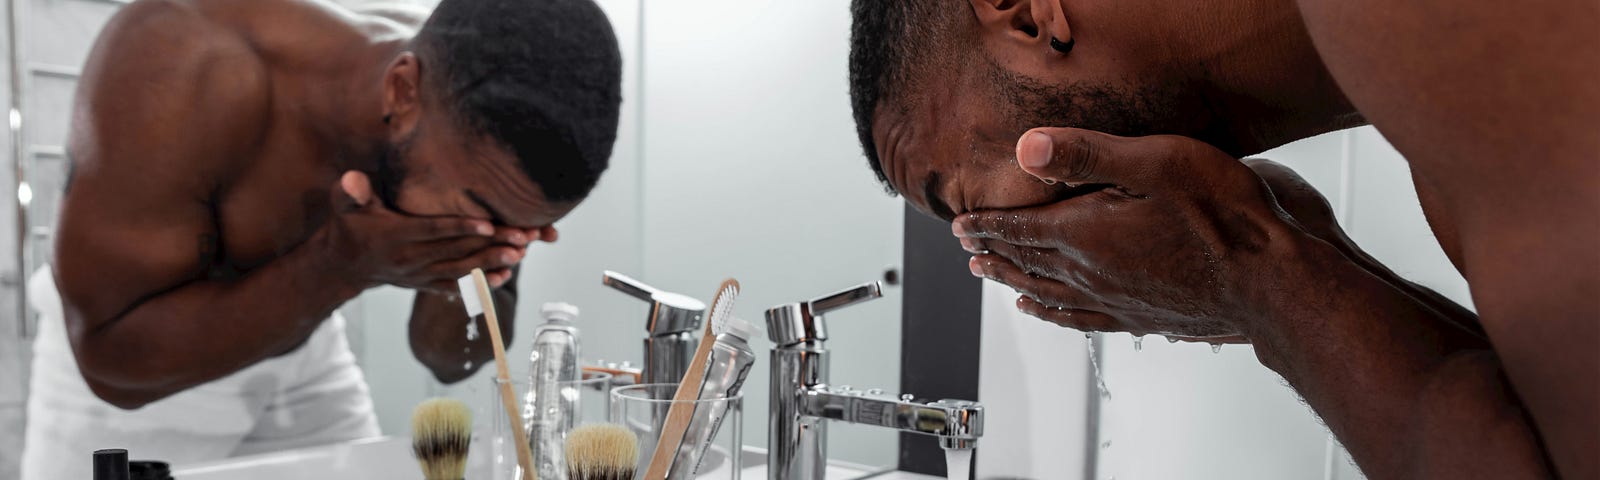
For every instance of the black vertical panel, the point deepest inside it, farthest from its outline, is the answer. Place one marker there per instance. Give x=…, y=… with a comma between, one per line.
x=939, y=327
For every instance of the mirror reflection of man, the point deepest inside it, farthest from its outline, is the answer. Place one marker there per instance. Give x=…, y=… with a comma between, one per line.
x=964, y=107
x=243, y=168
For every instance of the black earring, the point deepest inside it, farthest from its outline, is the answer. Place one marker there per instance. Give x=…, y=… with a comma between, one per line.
x=387, y=118
x=1062, y=47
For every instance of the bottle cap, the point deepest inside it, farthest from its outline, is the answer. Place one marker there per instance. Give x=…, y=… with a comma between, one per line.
x=563, y=311
x=738, y=327
x=111, y=464
x=149, y=470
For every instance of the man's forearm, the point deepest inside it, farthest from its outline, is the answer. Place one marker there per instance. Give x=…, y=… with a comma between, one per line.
x=1453, y=313
x=438, y=332
x=1408, y=394
x=206, y=330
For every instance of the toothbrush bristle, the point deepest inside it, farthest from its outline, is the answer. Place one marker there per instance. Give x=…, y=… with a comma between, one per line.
x=722, y=308
x=469, y=296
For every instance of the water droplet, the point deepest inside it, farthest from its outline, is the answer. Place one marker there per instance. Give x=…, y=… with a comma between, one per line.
x=1138, y=343
x=1172, y=340
x=1216, y=348
x=472, y=330
x=906, y=397
x=467, y=366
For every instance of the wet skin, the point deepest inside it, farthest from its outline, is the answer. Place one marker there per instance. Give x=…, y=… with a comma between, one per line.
x=222, y=203
x=1173, y=235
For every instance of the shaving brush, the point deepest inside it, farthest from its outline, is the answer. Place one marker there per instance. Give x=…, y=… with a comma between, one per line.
x=441, y=429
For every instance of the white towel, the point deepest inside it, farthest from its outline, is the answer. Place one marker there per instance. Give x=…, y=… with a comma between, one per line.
x=315, y=395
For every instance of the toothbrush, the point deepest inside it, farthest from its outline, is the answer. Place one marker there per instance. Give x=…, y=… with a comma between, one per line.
x=483, y=303
x=682, y=412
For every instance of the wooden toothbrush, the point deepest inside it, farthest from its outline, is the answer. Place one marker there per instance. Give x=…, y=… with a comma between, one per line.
x=483, y=302
x=694, y=379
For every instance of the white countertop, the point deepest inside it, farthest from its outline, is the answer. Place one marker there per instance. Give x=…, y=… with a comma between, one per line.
x=389, y=458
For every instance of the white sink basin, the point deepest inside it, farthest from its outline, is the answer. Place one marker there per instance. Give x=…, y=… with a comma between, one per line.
x=389, y=458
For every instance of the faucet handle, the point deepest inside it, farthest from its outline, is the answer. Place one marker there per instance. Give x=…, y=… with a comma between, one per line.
x=793, y=323
x=628, y=285
x=838, y=300
x=670, y=313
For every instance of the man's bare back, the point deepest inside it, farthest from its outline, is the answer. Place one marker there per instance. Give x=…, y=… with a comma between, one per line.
x=230, y=154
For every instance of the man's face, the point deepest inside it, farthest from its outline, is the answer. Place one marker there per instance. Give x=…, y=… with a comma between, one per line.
x=948, y=146
x=438, y=170
x=947, y=164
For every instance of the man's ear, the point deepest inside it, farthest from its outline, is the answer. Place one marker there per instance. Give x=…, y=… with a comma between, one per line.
x=1031, y=23
x=402, y=95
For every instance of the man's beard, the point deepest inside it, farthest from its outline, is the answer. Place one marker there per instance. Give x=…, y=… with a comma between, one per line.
x=1123, y=110
x=391, y=174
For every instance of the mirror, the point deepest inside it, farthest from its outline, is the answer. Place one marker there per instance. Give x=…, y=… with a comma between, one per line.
x=715, y=173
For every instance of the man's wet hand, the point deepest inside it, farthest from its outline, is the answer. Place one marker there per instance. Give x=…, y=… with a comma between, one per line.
x=373, y=245
x=1171, y=245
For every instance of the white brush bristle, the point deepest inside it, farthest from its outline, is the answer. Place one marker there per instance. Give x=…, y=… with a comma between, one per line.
x=441, y=430
x=722, y=309
x=469, y=296
x=602, y=452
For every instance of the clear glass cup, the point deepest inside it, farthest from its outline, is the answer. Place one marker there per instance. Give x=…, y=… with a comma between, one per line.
x=590, y=396
x=643, y=408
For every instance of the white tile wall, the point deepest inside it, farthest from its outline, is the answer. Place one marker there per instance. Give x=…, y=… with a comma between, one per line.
x=1179, y=411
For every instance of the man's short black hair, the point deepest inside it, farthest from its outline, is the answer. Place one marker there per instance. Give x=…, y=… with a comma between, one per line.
x=541, y=77
x=885, y=38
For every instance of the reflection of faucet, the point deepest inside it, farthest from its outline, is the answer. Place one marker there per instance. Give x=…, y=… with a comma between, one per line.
x=801, y=400
x=669, y=341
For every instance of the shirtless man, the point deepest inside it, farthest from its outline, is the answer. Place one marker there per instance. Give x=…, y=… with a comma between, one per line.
x=244, y=167
x=1141, y=218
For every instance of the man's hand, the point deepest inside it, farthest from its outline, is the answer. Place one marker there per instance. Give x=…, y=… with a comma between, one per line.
x=1175, y=241
x=375, y=245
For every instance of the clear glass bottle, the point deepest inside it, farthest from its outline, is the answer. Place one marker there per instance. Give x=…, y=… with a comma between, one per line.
x=551, y=410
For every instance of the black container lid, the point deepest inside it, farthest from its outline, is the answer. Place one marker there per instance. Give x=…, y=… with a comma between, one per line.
x=111, y=464
x=148, y=470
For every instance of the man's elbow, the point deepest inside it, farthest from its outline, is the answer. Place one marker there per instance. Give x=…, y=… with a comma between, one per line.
x=450, y=373
x=450, y=376
x=122, y=397
x=124, y=384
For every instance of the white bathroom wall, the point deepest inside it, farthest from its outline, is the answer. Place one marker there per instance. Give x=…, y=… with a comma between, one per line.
x=1034, y=384
x=14, y=353
x=1178, y=410
x=752, y=170
x=54, y=40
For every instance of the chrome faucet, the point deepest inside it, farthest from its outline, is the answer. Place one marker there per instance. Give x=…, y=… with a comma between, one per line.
x=802, y=401
x=670, y=339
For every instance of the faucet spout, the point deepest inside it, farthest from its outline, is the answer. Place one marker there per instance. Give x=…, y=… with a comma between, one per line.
x=802, y=402
x=958, y=423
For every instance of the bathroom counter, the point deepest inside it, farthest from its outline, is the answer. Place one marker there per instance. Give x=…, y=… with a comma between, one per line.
x=389, y=458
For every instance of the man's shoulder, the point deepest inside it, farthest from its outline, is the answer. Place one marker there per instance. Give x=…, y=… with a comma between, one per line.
x=166, y=64
x=171, y=38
